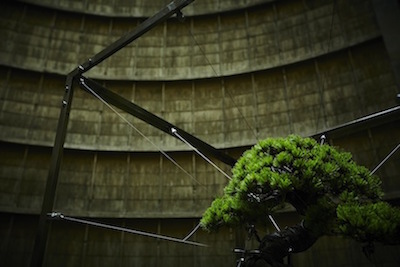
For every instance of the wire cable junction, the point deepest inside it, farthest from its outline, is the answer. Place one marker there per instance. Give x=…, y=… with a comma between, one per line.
x=175, y=132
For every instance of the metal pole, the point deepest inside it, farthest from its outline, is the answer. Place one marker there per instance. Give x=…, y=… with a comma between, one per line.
x=51, y=184
x=148, y=117
x=372, y=120
x=166, y=12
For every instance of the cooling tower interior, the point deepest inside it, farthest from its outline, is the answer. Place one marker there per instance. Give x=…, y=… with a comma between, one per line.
x=230, y=73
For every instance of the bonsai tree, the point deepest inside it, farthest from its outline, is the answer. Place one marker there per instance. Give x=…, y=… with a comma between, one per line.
x=333, y=194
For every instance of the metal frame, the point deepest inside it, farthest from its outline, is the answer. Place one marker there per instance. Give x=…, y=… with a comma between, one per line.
x=382, y=117
x=72, y=78
x=76, y=76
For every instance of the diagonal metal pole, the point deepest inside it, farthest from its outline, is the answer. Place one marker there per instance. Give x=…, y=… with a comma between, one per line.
x=172, y=8
x=148, y=117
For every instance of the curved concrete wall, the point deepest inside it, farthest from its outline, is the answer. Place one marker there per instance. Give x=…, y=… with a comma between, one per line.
x=78, y=245
x=72, y=244
x=302, y=98
x=99, y=184
x=147, y=185
x=248, y=72
x=248, y=40
x=144, y=8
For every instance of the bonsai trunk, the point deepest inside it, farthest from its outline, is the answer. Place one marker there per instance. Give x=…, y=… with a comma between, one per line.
x=274, y=247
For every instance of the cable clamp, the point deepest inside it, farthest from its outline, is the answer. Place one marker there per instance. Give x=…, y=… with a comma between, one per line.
x=323, y=138
x=55, y=215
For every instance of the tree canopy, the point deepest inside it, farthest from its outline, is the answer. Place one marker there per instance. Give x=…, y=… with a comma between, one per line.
x=334, y=195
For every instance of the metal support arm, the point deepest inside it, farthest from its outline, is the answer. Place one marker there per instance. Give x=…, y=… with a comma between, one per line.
x=147, y=25
x=146, y=116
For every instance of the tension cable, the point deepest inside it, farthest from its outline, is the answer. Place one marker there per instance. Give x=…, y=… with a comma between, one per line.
x=56, y=215
x=229, y=93
x=385, y=159
x=175, y=132
x=192, y=232
x=146, y=138
x=270, y=217
x=138, y=131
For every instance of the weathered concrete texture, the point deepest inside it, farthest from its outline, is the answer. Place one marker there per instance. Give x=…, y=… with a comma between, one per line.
x=302, y=98
x=137, y=185
x=109, y=184
x=144, y=8
x=253, y=39
x=279, y=68
x=388, y=17
x=331, y=252
x=17, y=234
x=72, y=244
x=147, y=185
x=384, y=139
x=23, y=176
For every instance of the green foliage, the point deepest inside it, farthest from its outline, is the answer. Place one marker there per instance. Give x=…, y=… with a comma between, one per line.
x=335, y=195
x=319, y=217
x=369, y=222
